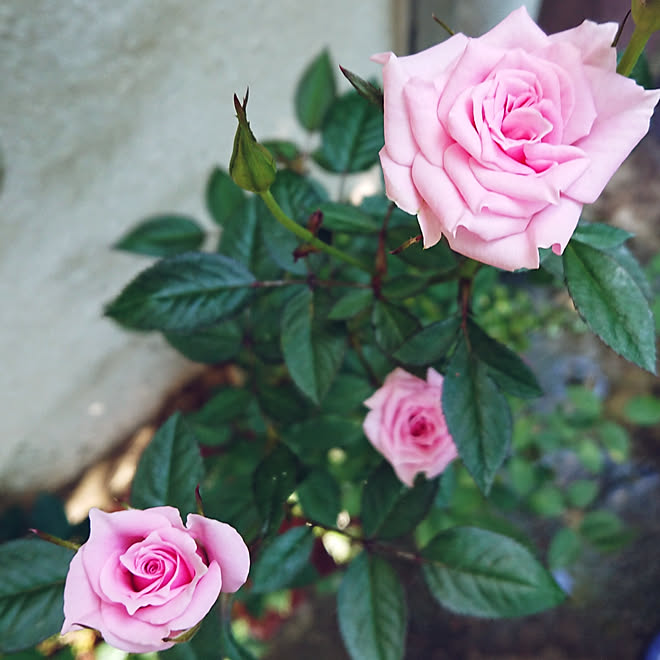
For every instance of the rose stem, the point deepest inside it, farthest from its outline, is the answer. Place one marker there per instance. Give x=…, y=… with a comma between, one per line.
x=307, y=235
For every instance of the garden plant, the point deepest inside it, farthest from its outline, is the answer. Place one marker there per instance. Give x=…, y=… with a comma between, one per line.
x=381, y=417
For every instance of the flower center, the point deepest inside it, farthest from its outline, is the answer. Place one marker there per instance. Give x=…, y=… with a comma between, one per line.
x=418, y=425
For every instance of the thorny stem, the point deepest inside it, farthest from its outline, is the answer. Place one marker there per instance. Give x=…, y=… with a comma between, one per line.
x=370, y=544
x=56, y=540
x=381, y=257
x=306, y=235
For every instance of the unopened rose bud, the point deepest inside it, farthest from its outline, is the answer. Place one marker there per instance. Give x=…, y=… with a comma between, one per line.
x=646, y=14
x=252, y=166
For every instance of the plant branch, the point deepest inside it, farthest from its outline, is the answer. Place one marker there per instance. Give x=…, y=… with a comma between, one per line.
x=306, y=235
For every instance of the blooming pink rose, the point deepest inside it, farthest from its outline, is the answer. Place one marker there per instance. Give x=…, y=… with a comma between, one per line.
x=406, y=424
x=497, y=142
x=143, y=578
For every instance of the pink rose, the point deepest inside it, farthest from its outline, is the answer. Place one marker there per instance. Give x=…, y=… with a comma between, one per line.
x=143, y=578
x=497, y=142
x=406, y=424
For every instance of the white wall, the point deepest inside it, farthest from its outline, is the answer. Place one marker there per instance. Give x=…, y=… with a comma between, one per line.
x=109, y=111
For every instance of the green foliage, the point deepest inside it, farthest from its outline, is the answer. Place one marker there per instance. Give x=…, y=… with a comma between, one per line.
x=223, y=197
x=351, y=136
x=480, y=573
x=315, y=319
x=32, y=574
x=282, y=560
x=611, y=302
x=478, y=416
x=210, y=344
x=315, y=92
x=163, y=236
x=170, y=469
x=312, y=350
x=372, y=611
x=389, y=508
x=182, y=293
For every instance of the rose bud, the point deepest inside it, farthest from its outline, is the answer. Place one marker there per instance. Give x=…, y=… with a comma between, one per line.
x=252, y=166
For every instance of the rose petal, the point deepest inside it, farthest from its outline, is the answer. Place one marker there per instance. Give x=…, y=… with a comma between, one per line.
x=441, y=197
x=422, y=102
x=554, y=226
x=224, y=545
x=517, y=30
x=509, y=253
x=136, y=635
x=623, y=120
x=206, y=594
x=593, y=41
x=399, y=185
x=430, y=225
x=81, y=603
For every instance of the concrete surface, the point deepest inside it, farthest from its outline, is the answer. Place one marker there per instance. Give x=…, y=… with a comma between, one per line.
x=111, y=111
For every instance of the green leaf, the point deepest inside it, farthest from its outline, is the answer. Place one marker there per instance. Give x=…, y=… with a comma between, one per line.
x=275, y=478
x=347, y=394
x=604, y=530
x=352, y=135
x=313, y=351
x=183, y=293
x=364, y=88
x=582, y=492
x=170, y=469
x=209, y=345
x=320, y=497
x=351, y=304
x=547, y=501
x=32, y=574
x=523, y=475
x=315, y=92
x=48, y=515
x=430, y=344
x=227, y=404
x=478, y=416
x=625, y=258
x=210, y=424
x=163, y=236
x=480, y=573
x=282, y=560
x=615, y=439
x=600, y=236
x=311, y=439
x=348, y=219
x=231, y=648
x=565, y=548
x=284, y=151
x=392, y=325
x=371, y=609
x=643, y=410
x=282, y=402
x=504, y=366
x=203, y=646
x=223, y=196
x=612, y=304
x=404, y=286
x=391, y=509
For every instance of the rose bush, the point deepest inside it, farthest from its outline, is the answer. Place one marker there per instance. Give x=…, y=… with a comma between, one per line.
x=143, y=578
x=406, y=424
x=497, y=142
